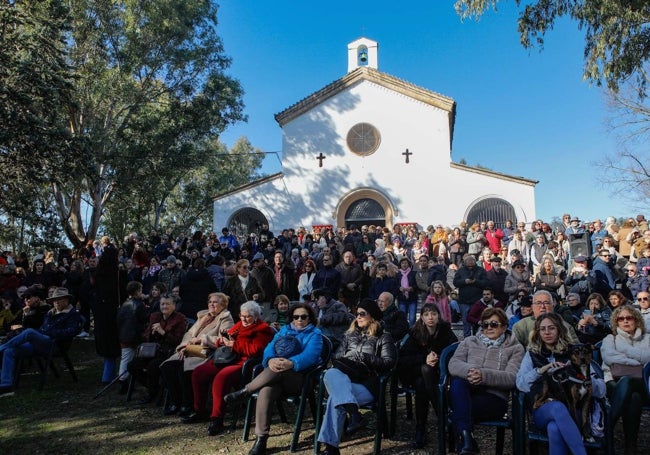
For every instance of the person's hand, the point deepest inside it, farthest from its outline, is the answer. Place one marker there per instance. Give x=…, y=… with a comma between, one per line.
x=181, y=354
x=351, y=286
x=474, y=376
x=549, y=366
x=280, y=364
x=256, y=297
x=227, y=342
x=195, y=340
x=432, y=359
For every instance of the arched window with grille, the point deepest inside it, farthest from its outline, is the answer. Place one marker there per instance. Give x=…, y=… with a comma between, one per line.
x=495, y=209
x=245, y=221
x=365, y=211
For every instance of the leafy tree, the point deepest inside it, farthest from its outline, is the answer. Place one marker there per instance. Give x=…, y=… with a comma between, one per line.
x=149, y=85
x=617, y=42
x=184, y=202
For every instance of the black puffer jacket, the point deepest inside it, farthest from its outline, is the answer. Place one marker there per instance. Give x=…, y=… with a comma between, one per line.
x=377, y=352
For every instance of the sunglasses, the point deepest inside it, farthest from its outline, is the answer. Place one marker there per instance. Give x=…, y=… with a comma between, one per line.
x=490, y=324
x=361, y=314
x=302, y=317
x=624, y=318
x=642, y=299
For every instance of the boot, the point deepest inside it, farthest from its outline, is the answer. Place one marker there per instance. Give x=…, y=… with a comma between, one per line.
x=420, y=437
x=124, y=387
x=356, y=420
x=259, y=448
x=466, y=444
x=330, y=450
x=238, y=395
x=216, y=426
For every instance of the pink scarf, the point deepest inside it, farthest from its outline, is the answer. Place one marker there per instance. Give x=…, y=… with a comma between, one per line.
x=405, y=281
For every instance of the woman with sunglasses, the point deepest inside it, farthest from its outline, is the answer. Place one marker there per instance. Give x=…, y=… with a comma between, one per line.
x=627, y=345
x=372, y=349
x=283, y=371
x=548, y=351
x=241, y=288
x=483, y=371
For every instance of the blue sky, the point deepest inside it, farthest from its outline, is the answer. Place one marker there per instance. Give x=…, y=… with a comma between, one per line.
x=521, y=112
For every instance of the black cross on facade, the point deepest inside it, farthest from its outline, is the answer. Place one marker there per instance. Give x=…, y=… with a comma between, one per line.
x=320, y=159
x=407, y=154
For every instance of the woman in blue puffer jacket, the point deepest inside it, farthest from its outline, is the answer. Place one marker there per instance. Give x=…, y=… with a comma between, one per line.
x=284, y=363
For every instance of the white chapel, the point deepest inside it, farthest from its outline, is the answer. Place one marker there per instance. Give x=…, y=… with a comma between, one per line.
x=370, y=148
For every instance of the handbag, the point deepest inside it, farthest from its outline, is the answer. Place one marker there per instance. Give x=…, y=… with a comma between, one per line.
x=287, y=346
x=147, y=350
x=196, y=350
x=619, y=370
x=224, y=355
x=356, y=371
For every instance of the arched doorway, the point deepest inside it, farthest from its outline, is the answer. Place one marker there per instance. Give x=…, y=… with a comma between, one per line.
x=495, y=209
x=246, y=220
x=364, y=206
x=365, y=211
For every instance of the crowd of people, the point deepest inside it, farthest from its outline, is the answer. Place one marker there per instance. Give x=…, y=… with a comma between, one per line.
x=523, y=293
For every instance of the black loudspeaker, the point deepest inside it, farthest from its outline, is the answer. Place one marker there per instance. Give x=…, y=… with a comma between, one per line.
x=580, y=245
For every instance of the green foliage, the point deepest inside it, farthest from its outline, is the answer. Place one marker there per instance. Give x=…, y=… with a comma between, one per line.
x=617, y=41
x=149, y=86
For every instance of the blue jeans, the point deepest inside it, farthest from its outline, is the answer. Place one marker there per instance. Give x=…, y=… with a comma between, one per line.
x=563, y=434
x=464, y=311
x=471, y=404
x=409, y=309
x=341, y=391
x=27, y=343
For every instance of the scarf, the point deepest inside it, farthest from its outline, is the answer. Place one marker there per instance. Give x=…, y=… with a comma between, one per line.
x=404, y=282
x=154, y=269
x=491, y=343
x=207, y=320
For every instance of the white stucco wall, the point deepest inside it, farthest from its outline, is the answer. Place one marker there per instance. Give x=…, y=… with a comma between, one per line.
x=427, y=190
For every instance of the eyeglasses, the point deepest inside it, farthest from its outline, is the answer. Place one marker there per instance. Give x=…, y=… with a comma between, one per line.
x=490, y=324
x=642, y=299
x=542, y=303
x=361, y=314
x=624, y=318
x=302, y=317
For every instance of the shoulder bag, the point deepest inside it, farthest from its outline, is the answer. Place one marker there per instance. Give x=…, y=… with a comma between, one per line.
x=619, y=370
x=147, y=350
x=224, y=355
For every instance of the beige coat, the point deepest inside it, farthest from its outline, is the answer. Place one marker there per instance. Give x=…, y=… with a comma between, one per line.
x=209, y=336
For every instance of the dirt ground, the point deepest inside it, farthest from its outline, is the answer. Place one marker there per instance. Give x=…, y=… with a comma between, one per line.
x=64, y=419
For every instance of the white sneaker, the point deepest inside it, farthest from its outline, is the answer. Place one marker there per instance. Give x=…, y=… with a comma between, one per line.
x=83, y=334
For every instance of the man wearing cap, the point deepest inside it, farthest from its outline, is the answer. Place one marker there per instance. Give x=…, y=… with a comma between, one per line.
x=543, y=303
x=33, y=313
x=333, y=317
x=575, y=227
x=61, y=323
x=171, y=275
x=265, y=277
x=497, y=278
x=524, y=309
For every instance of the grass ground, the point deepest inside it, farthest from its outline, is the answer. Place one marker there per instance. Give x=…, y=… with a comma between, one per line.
x=64, y=419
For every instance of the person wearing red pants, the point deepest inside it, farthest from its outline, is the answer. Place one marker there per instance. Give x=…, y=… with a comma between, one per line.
x=248, y=338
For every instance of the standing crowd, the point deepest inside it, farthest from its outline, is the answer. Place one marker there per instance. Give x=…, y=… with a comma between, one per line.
x=384, y=298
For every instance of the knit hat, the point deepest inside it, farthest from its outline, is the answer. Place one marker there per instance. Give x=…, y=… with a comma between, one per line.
x=371, y=307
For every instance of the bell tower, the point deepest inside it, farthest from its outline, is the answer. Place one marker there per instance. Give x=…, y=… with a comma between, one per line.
x=363, y=52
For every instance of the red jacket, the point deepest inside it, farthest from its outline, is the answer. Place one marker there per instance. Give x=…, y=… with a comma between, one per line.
x=251, y=340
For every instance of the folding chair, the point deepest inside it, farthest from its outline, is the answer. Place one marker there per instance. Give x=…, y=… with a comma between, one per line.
x=529, y=432
x=45, y=362
x=444, y=411
x=382, y=427
x=306, y=395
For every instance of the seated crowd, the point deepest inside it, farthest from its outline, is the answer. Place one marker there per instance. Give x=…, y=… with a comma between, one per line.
x=386, y=299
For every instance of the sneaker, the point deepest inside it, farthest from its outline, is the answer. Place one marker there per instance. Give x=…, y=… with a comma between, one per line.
x=83, y=334
x=6, y=391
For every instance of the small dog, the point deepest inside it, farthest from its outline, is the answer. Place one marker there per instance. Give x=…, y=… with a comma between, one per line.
x=571, y=385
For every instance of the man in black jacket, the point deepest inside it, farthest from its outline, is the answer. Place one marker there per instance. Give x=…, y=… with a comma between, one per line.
x=470, y=281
